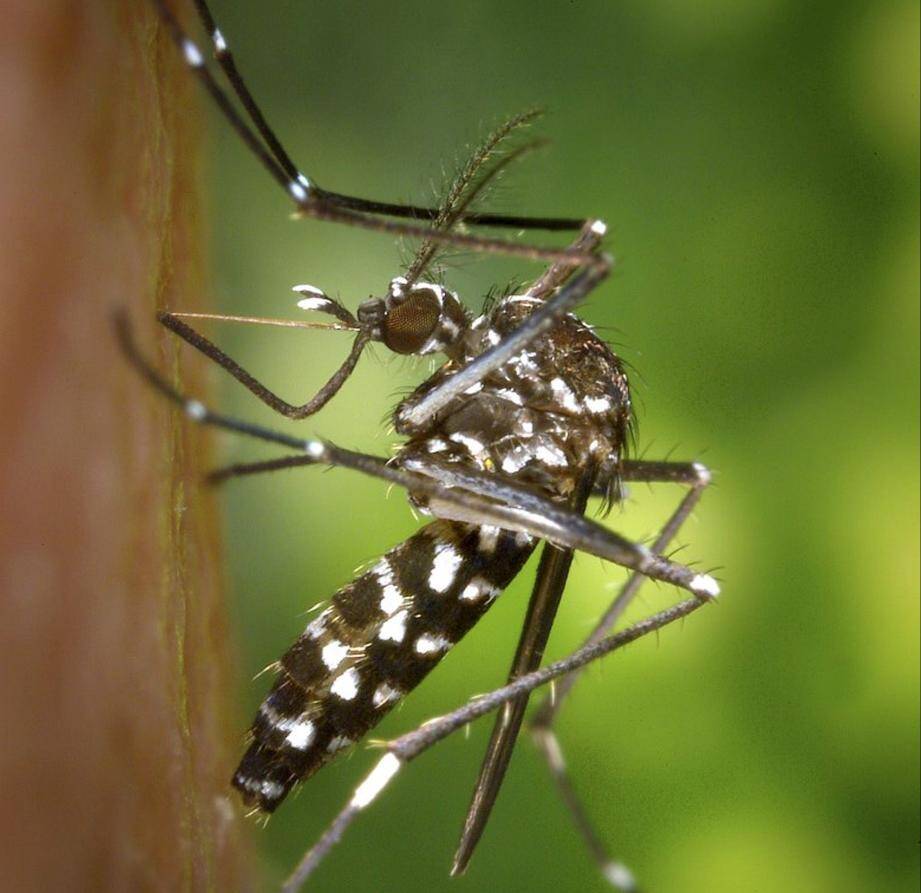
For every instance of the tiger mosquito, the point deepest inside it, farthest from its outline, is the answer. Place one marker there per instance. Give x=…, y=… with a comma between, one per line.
x=527, y=419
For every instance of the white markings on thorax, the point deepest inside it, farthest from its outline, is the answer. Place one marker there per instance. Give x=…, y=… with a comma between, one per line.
x=563, y=393
x=597, y=405
x=474, y=446
x=510, y=395
x=551, y=454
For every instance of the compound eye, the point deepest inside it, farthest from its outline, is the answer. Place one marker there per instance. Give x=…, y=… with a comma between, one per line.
x=411, y=322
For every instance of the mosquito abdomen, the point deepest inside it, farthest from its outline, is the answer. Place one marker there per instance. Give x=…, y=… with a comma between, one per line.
x=380, y=637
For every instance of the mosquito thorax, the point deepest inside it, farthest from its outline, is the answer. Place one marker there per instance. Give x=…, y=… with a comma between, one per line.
x=419, y=318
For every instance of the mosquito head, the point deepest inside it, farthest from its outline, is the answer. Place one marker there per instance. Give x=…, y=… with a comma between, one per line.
x=418, y=318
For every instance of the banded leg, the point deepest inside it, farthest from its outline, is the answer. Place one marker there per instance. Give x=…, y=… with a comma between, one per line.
x=469, y=494
x=542, y=608
x=407, y=747
x=311, y=201
x=697, y=477
x=225, y=59
x=416, y=414
x=314, y=404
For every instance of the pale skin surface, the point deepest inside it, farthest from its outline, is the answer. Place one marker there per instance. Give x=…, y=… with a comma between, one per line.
x=111, y=624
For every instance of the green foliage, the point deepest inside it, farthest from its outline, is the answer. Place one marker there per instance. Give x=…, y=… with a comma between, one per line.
x=758, y=165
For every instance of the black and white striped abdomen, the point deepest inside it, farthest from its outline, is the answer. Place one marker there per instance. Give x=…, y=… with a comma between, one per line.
x=382, y=634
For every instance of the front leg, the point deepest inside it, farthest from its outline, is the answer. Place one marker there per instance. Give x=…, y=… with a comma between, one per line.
x=291, y=411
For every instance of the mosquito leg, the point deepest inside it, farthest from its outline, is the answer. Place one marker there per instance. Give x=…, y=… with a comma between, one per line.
x=487, y=497
x=697, y=477
x=272, y=154
x=545, y=599
x=689, y=473
x=228, y=65
x=219, y=475
x=692, y=474
x=407, y=747
x=556, y=275
x=314, y=404
x=532, y=513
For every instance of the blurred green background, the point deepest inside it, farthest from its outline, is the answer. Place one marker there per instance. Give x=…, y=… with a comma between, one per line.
x=758, y=165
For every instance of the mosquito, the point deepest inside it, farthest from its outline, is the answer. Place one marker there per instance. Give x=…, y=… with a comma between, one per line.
x=528, y=417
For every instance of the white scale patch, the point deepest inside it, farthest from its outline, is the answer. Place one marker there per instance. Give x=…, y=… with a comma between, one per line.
x=597, y=405
x=385, y=694
x=396, y=286
x=478, y=588
x=488, y=536
x=390, y=600
x=334, y=653
x=297, y=190
x=192, y=54
x=516, y=460
x=377, y=780
x=524, y=425
x=311, y=290
x=705, y=585
x=510, y=395
x=444, y=568
x=317, y=626
x=195, y=410
x=550, y=455
x=703, y=473
x=564, y=394
x=301, y=735
x=474, y=446
x=429, y=644
x=524, y=362
x=436, y=445
x=337, y=743
x=346, y=685
x=314, y=303
x=269, y=789
x=315, y=448
x=619, y=876
x=394, y=629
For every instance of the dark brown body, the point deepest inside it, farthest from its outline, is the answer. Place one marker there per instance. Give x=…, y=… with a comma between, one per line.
x=561, y=404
